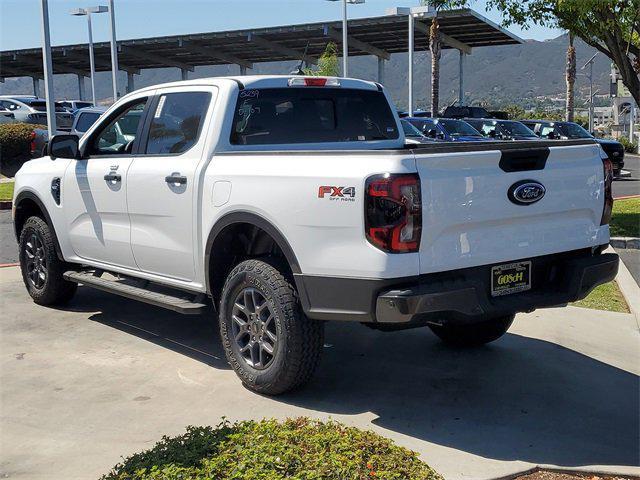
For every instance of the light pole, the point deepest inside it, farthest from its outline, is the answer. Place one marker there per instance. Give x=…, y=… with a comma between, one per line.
x=47, y=66
x=345, y=39
x=114, y=52
x=87, y=12
x=590, y=76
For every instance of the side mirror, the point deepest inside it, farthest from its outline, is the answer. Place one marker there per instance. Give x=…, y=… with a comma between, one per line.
x=440, y=136
x=493, y=134
x=432, y=133
x=551, y=136
x=64, y=146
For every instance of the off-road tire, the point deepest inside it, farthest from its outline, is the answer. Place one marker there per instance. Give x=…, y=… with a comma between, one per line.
x=55, y=290
x=475, y=334
x=299, y=339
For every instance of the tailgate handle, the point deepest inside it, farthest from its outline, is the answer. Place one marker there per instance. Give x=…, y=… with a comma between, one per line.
x=526, y=159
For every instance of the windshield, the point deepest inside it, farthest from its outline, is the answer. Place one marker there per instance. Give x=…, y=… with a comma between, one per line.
x=573, y=130
x=311, y=115
x=410, y=130
x=457, y=128
x=516, y=128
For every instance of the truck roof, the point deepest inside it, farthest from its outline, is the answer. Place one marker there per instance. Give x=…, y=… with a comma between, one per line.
x=266, y=81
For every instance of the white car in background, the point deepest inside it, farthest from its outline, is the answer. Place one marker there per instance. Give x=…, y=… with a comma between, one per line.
x=29, y=109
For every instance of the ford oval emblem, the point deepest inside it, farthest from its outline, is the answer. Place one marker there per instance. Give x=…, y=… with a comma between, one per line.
x=526, y=192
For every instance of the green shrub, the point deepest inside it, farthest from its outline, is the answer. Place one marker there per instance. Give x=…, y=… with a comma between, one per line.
x=296, y=448
x=15, y=140
x=629, y=146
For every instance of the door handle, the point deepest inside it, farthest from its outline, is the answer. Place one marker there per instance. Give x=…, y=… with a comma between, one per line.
x=112, y=177
x=176, y=179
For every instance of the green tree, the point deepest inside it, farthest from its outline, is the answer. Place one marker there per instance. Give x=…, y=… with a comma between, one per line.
x=435, y=46
x=514, y=112
x=327, y=63
x=610, y=26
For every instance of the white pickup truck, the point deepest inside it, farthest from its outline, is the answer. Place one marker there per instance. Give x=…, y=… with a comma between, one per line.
x=288, y=201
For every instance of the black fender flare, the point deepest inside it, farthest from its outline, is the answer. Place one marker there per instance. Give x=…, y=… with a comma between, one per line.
x=252, y=219
x=29, y=195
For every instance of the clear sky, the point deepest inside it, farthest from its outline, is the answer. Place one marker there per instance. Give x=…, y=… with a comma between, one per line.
x=20, y=19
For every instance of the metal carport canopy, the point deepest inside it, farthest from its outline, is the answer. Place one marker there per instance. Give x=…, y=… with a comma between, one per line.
x=463, y=29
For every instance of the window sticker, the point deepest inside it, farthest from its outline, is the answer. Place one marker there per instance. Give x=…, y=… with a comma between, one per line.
x=249, y=93
x=160, y=106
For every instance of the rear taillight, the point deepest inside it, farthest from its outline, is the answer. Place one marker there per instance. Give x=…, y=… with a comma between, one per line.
x=32, y=145
x=607, y=167
x=393, y=215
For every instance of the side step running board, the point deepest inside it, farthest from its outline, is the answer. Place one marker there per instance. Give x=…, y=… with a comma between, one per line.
x=171, y=302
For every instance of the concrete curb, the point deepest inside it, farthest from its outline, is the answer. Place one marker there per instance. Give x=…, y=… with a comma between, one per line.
x=629, y=288
x=625, y=242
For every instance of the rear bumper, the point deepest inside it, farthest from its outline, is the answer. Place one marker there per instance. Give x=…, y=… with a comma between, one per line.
x=457, y=296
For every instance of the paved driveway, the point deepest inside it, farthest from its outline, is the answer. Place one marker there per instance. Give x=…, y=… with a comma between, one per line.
x=107, y=377
x=625, y=186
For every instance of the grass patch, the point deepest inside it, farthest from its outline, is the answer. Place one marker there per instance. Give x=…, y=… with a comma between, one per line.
x=605, y=297
x=296, y=448
x=625, y=221
x=6, y=191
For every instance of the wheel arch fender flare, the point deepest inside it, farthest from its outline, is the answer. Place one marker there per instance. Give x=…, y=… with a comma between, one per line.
x=32, y=196
x=252, y=219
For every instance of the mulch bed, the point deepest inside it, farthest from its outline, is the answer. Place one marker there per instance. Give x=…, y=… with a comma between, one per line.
x=546, y=475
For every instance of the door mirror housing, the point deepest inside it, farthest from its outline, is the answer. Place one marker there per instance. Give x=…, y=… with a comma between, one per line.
x=64, y=146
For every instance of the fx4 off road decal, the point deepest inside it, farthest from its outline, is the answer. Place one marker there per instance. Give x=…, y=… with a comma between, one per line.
x=344, y=194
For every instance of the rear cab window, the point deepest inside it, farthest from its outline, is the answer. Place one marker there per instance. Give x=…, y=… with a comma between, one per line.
x=272, y=116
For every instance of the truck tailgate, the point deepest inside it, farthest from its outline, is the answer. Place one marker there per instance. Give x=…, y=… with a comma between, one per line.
x=469, y=219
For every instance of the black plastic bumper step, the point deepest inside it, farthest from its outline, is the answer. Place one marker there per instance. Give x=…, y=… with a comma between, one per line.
x=119, y=287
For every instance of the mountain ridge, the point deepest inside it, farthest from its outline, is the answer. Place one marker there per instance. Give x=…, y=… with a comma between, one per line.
x=495, y=76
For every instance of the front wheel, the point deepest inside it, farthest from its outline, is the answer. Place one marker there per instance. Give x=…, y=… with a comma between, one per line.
x=475, y=334
x=41, y=268
x=269, y=342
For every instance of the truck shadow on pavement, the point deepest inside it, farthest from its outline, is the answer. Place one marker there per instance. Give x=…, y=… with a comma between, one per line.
x=519, y=398
x=196, y=336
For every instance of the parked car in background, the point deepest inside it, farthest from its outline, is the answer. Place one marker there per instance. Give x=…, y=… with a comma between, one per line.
x=73, y=106
x=84, y=118
x=456, y=111
x=552, y=130
x=446, y=129
x=502, y=129
x=30, y=109
x=412, y=135
x=417, y=113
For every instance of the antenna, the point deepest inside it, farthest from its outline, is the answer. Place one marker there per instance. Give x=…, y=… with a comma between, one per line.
x=299, y=70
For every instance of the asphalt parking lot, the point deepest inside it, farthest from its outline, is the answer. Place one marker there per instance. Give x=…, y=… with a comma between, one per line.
x=106, y=377
x=626, y=186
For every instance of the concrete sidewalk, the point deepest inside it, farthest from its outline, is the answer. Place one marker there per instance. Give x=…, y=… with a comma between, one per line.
x=106, y=377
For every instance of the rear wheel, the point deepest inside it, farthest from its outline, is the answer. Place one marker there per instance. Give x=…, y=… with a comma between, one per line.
x=41, y=268
x=474, y=334
x=269, y=342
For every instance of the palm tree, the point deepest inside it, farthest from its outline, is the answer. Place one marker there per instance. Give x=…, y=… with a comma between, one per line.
x=435, y=46
x=571, y=79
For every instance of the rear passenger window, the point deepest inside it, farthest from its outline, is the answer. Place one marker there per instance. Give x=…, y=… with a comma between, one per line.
x=177, y=121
